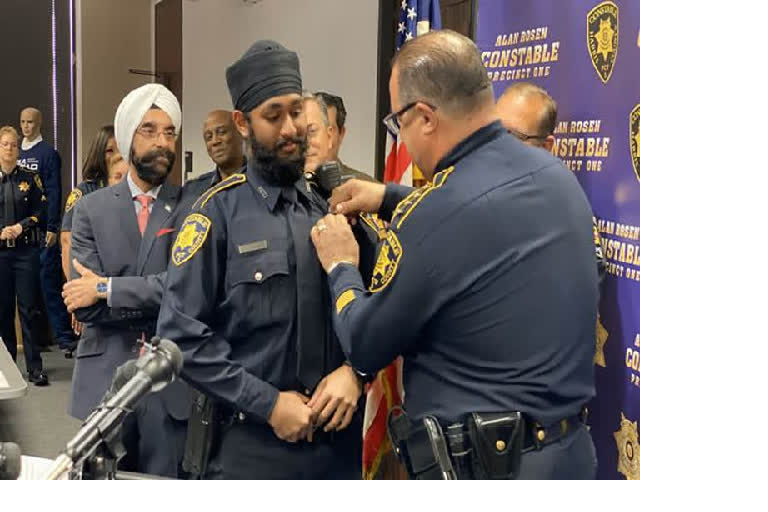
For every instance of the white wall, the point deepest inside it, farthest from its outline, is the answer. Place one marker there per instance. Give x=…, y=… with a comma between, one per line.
x=337, y=45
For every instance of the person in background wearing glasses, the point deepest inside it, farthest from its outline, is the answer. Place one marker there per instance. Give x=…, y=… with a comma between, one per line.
x=22, y=217
x=488, y=274
x=104, y=166
x=529, y=113
x=121, y=240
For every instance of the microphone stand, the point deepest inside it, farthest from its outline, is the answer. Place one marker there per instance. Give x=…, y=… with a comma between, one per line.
x=95, y=451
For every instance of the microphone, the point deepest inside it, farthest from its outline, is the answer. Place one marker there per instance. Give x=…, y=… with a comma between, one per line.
x=154, y=370
x=10, y=461
x=327, y=177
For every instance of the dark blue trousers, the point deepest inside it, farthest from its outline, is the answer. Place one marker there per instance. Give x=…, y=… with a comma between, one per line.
x=153, y=439
x=19, y=281
x=572, y=457
x=253, y=452
x=51, y=281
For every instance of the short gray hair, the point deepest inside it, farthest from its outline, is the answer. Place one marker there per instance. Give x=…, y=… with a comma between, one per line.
x=309, y=96
x=443, y=68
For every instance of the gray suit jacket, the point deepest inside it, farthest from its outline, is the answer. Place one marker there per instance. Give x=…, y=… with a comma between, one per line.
x=106, y=239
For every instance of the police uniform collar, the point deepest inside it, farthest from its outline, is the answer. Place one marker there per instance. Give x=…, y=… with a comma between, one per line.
x=216, y=175
x=485, y=134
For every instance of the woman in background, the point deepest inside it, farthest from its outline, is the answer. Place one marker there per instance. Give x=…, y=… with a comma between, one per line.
x=104, y=166
x=21, y=215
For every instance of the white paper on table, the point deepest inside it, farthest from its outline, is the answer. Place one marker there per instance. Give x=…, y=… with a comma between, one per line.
x=36, y=468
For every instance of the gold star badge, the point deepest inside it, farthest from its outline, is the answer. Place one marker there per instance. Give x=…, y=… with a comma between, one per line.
x=23, y=186
x=628, y=445
x=602, y=337
x=604, y=38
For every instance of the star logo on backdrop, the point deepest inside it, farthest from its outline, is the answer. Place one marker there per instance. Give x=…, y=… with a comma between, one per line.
x=603, y=38
x=404, y=5
x=401, y=27
x=628, y=445
x=634, y=139
x=411, y=13
x=602, y=337
x=409, y=36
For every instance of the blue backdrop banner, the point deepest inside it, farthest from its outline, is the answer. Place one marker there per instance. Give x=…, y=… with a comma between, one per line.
x=586, y=54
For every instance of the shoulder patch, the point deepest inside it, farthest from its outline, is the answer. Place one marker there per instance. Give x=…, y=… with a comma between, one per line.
x=376, y=224
x=72, y=199
x=406, y=206
x=386, y=264
x=191, y=237
x=38, y=181
x=234, y=180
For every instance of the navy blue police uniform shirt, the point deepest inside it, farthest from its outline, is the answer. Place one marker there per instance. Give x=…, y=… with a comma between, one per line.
x=488, y=276
x=230, y=296
x=194, y=188
x=82, y=189
x=22, y=200
x=43, y=158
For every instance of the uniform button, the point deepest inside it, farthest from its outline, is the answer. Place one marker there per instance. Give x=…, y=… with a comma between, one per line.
x=500, y=445
x=258, y=276
x=540, y=435
x=241, y=416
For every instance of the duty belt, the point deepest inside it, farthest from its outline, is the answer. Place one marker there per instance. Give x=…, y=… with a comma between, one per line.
x=483, y=446
x=30, y=238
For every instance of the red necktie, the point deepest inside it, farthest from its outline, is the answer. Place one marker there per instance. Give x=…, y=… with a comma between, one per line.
x=143, y=216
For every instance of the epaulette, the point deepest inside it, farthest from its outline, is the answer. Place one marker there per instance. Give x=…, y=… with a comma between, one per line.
x=232, y=181
x=406, y=206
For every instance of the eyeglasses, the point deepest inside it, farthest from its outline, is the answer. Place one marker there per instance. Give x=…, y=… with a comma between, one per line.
x=151, y=132
x=525, y=137
x=392, y=121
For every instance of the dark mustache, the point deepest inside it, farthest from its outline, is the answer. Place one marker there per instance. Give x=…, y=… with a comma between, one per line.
x=152, y=155
x=284, y=142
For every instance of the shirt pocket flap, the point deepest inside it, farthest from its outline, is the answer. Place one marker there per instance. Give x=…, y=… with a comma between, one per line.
x=257, y=268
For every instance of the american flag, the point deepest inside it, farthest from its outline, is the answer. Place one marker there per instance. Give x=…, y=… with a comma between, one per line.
x=417, y=17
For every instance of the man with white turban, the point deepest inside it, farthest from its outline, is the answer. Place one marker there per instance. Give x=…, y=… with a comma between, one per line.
x=121, y=238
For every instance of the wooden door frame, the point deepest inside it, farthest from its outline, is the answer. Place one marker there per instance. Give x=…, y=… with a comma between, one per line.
x=385, y=51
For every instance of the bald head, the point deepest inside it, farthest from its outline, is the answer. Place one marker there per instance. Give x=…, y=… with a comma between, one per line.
x=443, y=68
x=529, y=113
x=30, y=121
x=223, y=142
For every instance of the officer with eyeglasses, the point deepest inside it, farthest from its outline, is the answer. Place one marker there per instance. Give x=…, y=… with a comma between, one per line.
x=529, y=113
x=22, y=215
x=487, y=275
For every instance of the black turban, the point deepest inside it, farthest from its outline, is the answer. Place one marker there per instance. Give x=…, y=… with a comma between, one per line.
x=266, y=70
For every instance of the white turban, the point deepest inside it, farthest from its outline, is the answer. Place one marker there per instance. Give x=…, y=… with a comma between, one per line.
x=137, y=103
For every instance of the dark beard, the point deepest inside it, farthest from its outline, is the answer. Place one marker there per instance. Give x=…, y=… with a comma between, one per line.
x=148, y=171
x=274, y=169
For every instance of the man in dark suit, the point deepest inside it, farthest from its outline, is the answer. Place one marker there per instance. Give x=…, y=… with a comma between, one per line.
x=121, y=239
